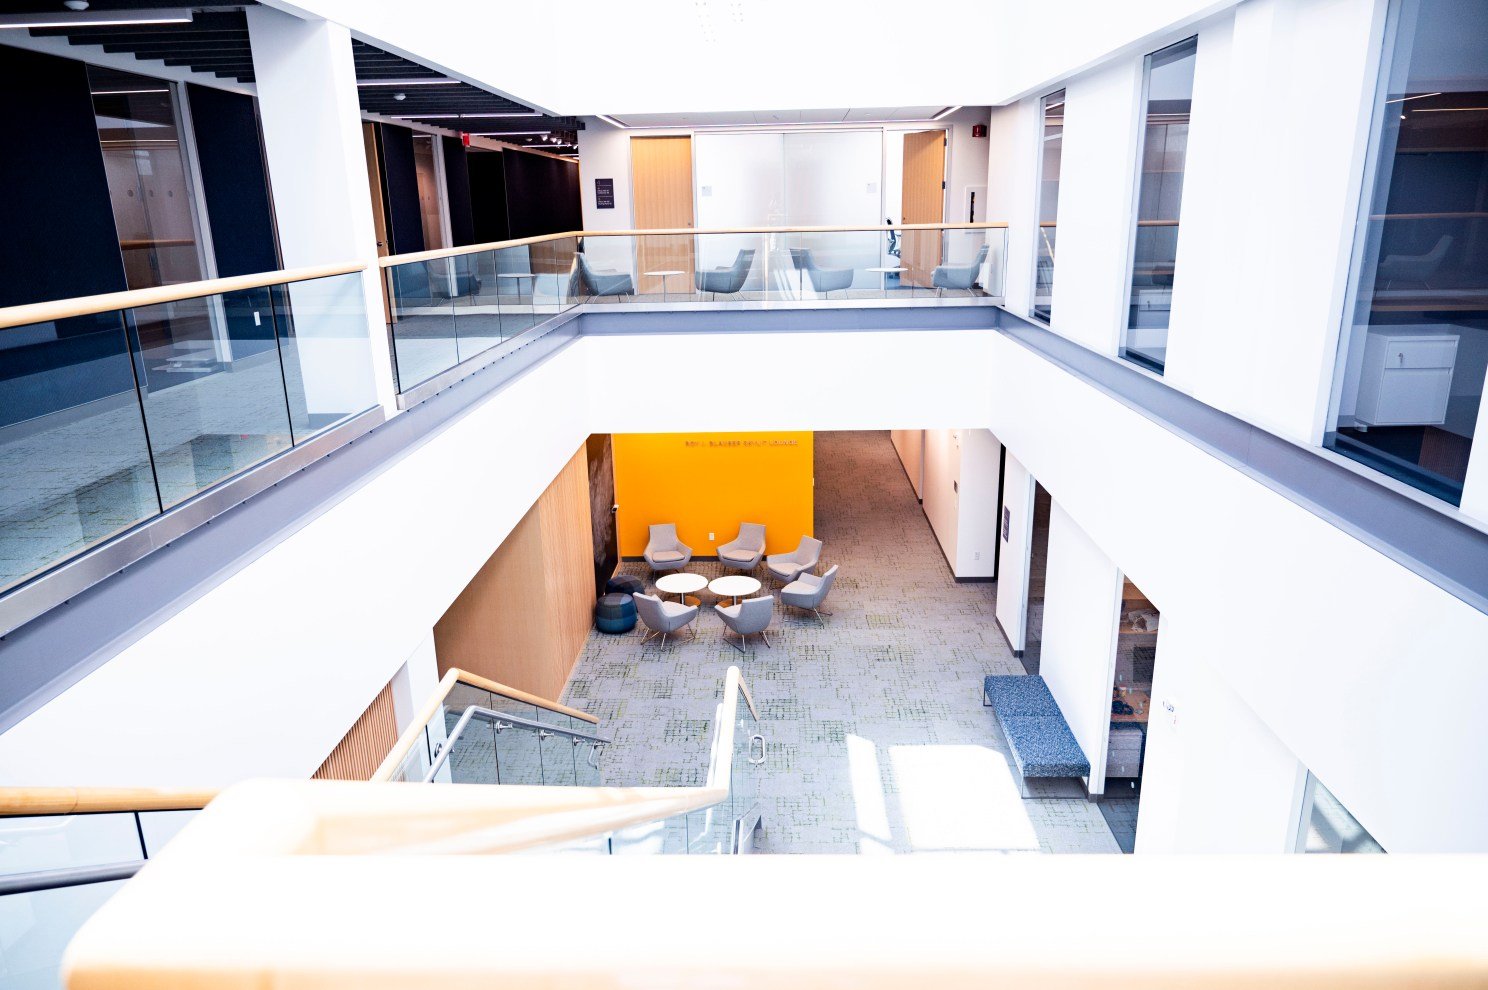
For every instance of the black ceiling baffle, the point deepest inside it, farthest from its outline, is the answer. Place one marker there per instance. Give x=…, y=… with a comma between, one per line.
x=215, y=42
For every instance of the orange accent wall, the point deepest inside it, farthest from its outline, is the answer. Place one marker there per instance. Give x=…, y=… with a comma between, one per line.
x=711, y=482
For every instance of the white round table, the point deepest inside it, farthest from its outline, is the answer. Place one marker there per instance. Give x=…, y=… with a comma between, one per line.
x=733, y=586
x=664, y=275
x=520, y=275
x=681, y=584
x=883, y=277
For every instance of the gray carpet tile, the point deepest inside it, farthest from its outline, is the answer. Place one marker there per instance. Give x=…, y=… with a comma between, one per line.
x=877, y=738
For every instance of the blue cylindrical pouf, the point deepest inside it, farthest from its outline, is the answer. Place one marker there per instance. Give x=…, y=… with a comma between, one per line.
x=615, y=613
x=625, y=584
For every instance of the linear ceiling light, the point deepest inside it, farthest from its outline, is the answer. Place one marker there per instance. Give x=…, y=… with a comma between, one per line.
x=612, y=121
x=1418, y=96
x=508, y=133
x=410, y=82
x=461, y=116
x=1449, y=109
x=945, y=113
x=125, y=92
x=100, y=18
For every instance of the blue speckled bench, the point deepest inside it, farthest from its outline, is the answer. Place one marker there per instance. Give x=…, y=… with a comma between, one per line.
x=1037, y=734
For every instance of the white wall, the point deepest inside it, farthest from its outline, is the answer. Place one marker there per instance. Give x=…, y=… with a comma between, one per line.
x=1018, y=488
x=941, y=501
x=979, y=504
x=910, y=446
x=1097, y=175
x=1269, y=207
x=1082, y=603
x=1012, y=185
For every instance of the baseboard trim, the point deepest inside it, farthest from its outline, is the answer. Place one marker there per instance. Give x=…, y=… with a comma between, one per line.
x=975, y=580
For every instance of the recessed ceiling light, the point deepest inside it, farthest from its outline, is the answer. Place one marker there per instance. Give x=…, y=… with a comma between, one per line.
x=400, y=97
x=410, y=82
x=97, y=18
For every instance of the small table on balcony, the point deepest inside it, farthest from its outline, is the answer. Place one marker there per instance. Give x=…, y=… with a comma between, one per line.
x=664, y=275
x=883, y=277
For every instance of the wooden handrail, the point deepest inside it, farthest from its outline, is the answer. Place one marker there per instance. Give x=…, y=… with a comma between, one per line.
x=17, y=801
x=61, y=309
x=430, y=708
x=393, y=260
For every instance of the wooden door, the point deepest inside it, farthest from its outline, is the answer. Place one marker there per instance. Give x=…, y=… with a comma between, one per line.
x=923, y=202
x=661, y=188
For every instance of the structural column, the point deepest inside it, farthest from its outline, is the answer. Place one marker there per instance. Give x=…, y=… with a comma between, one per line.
x=312, y=132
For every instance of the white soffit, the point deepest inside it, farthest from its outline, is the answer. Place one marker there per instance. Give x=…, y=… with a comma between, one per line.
x=744, y=118
x=590, y=57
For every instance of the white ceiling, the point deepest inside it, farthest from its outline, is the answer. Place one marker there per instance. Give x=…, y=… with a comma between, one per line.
x=740, y=118
x=585, y=57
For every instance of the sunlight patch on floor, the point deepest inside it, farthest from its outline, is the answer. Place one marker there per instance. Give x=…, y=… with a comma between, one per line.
x=960, y=797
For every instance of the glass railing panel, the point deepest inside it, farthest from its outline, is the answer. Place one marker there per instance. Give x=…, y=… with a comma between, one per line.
x=477, y=305
x=416, y=762
x=73, y=448
x=423, y=314
x=212, y=388
x=589, y=762
x=835, y=265
x=520, y=753
x=667, y=267
x=474, y=756
x=1043, y=272
x=559, y=754
x=605, y=270
x=55, y=842
x=554, y=276
x=35, y=928
x=324, y=351
x=744, y=783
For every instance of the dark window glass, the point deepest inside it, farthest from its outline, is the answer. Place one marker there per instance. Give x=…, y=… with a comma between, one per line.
x=1169, y=102
x=1051, y=149
x=1414, y=346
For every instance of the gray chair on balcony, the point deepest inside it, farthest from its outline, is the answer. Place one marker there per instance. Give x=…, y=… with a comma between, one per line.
x=730, y=279
x=745, y=551
x=786, y=567
x=958, y=276
x=664, y=552
x=823, y=280
x=664, y=618
x=747, y=618
x=809, y=591
x=605, y=282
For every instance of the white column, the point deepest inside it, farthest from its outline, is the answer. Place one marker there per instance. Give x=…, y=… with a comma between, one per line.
x=307, y=101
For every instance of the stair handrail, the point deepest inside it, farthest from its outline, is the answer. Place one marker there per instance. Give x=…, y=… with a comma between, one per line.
x=415, y=730
x=509, y=721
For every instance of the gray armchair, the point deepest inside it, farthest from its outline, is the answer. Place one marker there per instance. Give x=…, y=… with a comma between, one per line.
x=750, y=616
x=823, y=280
x=809, y=591
x=664, y=618
x=958, y=276
x=605, y=282
x=1414, y=267
x=786, y=567
x=744, y=552
x=730, y=279
x=665, y=552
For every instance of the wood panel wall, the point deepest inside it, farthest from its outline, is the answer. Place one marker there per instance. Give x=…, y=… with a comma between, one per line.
x=365, y=744
x=661, y=188
x=923, y=202
x=524, y=617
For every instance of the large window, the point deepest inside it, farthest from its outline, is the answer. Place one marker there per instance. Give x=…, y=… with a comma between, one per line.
x=148, y=178
x=1328, y=827
x=1414, y=346
x=1051, y=149
x=1169, y=101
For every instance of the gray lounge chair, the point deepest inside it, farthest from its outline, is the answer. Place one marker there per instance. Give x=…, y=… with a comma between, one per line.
x=823, y=280
x=958, y=276
x=605, y=282
x=727, y=280
x=786, y=567
x=809, y=591
x=750, y=616
x=1414, y=267
x=744, y=552
x=664, y=618
x=665, y=552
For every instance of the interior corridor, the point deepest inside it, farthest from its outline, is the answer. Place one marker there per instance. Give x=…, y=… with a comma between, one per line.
x=877, y=738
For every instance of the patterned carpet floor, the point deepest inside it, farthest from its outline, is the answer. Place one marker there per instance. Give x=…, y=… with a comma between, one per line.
x=877, y=739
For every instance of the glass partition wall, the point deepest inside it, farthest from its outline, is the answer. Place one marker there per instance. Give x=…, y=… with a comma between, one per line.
x=1168, y=102
x=1414, y=344
x=1051, y=151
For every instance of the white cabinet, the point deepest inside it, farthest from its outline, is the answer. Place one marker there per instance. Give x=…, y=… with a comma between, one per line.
x=1407, y=376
